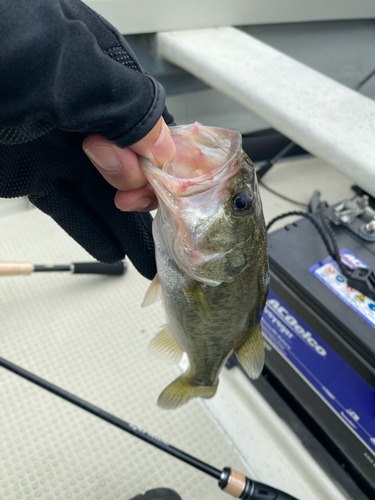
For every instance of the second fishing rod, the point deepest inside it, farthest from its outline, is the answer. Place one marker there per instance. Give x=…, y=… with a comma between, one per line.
x=229, y=480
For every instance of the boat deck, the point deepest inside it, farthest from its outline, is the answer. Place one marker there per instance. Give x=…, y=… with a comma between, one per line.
x=89, y=335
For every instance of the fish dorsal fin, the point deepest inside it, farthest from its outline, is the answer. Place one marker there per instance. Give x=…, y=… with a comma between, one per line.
x=251, y=353
x=164, y=345
x=154, y=292
x=182, y=390
x=198, y=301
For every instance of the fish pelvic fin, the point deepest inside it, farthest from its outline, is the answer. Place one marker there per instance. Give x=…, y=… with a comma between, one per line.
x=164, y=345
x=198, y=301
x=154, y=292
x=182, y=390
x=251, y=353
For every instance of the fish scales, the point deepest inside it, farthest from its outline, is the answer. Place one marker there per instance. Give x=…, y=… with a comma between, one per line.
x=211, y=253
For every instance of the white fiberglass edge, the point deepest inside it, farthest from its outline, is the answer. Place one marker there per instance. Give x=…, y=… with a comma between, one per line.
x=328, y=119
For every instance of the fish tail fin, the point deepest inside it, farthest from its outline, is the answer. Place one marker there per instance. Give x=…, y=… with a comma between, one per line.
x=251, y=353
x=181, y=390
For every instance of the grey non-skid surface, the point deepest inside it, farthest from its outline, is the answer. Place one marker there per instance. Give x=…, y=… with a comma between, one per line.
x=89, y=335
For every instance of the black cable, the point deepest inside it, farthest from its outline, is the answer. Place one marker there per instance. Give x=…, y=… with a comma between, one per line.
x=311, y=219
x=268, y=164
x=365, y=80
x=346, y=270
x=326, y=233
x=261, y=171
x=305, y=205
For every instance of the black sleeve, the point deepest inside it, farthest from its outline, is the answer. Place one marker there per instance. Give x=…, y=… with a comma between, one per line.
x=65, y=72
x=62, y=63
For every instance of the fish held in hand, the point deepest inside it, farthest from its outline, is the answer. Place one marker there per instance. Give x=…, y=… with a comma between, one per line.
x=211, y=255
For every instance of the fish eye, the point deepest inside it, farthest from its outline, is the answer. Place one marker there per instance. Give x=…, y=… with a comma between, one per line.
x=242, y=202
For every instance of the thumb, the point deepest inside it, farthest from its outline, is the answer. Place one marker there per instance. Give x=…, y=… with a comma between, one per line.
x=157, y=145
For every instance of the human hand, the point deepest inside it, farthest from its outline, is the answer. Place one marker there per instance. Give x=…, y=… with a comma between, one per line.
x=73, y=76
x=121, y=168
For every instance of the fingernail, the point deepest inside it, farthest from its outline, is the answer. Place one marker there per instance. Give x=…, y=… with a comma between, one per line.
x=164, y=148
x=104, y=158
x=139, y=205
x=145, y=203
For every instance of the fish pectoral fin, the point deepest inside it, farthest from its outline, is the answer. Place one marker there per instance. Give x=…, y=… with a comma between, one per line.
x=198, y=301
x=182, y=390
x=164, y=345
x=251, y=353
x=154, y=292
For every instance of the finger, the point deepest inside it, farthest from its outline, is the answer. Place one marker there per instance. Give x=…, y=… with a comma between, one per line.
x=138, y=200
x=120, y=167
x=157, y=145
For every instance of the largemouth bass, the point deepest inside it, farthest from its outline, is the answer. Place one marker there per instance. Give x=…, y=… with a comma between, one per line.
x=211, y=254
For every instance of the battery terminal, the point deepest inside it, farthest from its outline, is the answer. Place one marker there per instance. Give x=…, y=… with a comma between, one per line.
x=370, y=227
x=348, y=210
x=367, y=231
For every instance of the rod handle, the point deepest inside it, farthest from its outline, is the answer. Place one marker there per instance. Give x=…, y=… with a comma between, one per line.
x=15, y=268
x=117, y=269
x=239, y=486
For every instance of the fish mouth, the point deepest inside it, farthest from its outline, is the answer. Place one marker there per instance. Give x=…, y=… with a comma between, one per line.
x=205, y=157
x=195, y=181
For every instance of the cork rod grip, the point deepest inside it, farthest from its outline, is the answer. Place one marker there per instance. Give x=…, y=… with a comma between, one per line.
x=236, y=484
x=14, y=268
x=240, y=486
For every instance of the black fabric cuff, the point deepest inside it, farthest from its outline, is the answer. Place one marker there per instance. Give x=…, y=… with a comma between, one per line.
x=127, y=138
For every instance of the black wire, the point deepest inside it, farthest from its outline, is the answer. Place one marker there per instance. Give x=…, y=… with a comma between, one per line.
x=326, y=233
x=335, y=249
x=282, y=196
x=365, y=80
x=112, y=419
x=311, y=219
x=269, y=163
x=261, y=171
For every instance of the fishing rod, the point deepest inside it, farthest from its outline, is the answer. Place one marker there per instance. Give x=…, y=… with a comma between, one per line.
x=19, y=268
x=229, y=480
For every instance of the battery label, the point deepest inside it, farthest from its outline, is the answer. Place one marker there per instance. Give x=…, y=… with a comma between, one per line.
x=328, y=272
x=350, y=397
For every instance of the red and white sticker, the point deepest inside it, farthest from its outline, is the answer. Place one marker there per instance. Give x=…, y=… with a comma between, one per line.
x=330, y=274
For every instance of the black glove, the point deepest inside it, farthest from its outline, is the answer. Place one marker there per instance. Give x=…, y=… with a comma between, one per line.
x=67, y=73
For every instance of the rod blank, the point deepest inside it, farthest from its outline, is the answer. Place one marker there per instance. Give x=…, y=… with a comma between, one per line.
x=229, y=480
x=112, y=419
